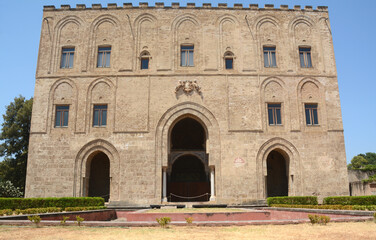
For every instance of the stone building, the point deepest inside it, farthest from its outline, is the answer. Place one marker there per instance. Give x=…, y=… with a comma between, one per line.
x=151, y=104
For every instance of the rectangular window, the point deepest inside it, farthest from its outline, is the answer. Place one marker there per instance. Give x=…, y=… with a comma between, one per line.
x=229, y=63
x=104, y=56
x=144, y=63
x=311, y=114
x=67, y=57
x=305, y=57
x=187, y=56
x=269, y=57
x=62, y=114
x=274, y=114
x=100, y=115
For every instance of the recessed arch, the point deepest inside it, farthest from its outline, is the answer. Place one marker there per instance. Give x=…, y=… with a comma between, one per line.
x=85, y=154
x=290, y=152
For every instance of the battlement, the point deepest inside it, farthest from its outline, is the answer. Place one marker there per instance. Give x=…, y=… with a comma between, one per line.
x=174, y=5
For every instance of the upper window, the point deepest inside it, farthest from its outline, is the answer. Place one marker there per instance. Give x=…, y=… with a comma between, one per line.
x=104, y=56
x=311, y=114
x=229, y=60
x=187, y=56
x=100, y=115
x=305, y=57
x=145, y=59
x=62, y=114
x=274, y=114
x=67, y=57
x=269, y=57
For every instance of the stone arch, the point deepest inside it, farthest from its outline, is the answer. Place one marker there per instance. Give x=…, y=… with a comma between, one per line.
x=53, y=99
x=145, y=38
x=84, y=154
x=290, y=152
x=318, y=95
x=110, y=100
x=213, y=146
x=264, y=20
x=228, y=35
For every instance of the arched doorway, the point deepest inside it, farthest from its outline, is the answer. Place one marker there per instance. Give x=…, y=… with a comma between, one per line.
x=98, y=169
x=188, y=171
x=277, y=174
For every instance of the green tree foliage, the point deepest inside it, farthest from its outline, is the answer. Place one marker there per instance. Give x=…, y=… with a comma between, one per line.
x=15, y=141
x=7, y=189
x=362, y=161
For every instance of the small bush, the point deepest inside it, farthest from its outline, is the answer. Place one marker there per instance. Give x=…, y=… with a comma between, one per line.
x=319, y=219
x=6, y=212
x=79, y=220
x=72, y=209
x=63, y=222
x=334, y=207
x=374, y=217
x=303, y=200
x=163, y=221
x=189, y=220
x=351, y=200
x=35, y=219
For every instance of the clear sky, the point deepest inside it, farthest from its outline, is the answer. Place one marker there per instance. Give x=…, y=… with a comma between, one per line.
x=353, y=26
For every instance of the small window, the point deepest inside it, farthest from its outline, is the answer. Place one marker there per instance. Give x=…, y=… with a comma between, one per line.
x=311, y=114
x=187, y=56
x=305, y=57
x=145, y=59
x=229, y=60
x=100, y=115
x=104, y=57
x=62, y=115
x=274, y=114
x=269, y=57
x=67, y=57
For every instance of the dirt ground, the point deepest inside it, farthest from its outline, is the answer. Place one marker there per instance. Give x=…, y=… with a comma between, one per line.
x=353, y=231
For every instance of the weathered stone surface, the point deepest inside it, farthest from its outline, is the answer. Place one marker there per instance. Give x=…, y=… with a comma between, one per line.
x=143, y=105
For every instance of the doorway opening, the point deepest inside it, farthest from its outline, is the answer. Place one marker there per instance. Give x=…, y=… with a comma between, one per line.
x=277, y=178
x=188, y=177
x=99, y=176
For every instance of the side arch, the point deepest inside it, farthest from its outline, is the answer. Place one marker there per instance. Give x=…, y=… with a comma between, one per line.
x=84, y=154
x=290, y=152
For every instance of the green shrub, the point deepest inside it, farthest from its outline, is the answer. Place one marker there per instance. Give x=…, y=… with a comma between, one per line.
x=35, y=219
x=79, y=220
x=189, y=220
x=163, y=221
x=334, y=207
x=351, y=200
x=24, y=203
x=69, y=209
x=6, y=212
x=319, y=219
x=8, y=190
x=374, y=217
x=63, y=222
x=302, y=200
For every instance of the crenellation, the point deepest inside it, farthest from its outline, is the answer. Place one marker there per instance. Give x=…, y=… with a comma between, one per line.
x=65, y=7
x=175, y=5
x=284, y=7
x=222, y=5
x=322, y=8
x=49, y=8
x=269, y=6
x=111, y=6
x=159, y=5
x=96, y=6
x=143, y=4
x=127, y=5
x=80, y=6
x=308, y=8
x=297, y=7
x=191, y=5
x=238, y=6
x=206, y=5
x=253, y=6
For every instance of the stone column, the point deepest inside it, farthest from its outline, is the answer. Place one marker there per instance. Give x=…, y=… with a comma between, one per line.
x=212, y=184
x=164, y=185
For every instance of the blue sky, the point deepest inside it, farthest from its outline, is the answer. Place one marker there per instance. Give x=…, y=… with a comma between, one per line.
x=354, y=34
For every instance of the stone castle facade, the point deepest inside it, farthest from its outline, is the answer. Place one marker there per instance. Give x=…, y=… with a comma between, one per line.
x=145, y=105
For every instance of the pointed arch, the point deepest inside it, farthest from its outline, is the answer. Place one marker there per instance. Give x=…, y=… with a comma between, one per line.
x=84, y=154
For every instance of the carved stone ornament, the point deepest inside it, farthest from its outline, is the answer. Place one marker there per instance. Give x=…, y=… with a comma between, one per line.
x=188, y=86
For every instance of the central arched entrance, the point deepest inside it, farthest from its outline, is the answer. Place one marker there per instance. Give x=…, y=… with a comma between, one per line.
x=98, y=169
x=188, y=171
x=277, y=174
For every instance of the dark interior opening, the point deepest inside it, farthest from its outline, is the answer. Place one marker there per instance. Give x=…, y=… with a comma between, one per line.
x=99, y=181
x=188, y=134
x=277, y=181
x=188, y=181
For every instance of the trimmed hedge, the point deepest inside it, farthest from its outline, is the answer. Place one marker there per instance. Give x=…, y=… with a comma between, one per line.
x=68, y=209
x=351, y=200
x=333, y=207
x=301, y=200
x=24, y=203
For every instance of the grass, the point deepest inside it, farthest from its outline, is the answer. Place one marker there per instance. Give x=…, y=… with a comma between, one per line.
x=195, y=210
x=353, y=231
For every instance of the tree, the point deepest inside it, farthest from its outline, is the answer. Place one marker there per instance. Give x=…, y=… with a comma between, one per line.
x=15, y=136
x=364, y=162
x=358, y=162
